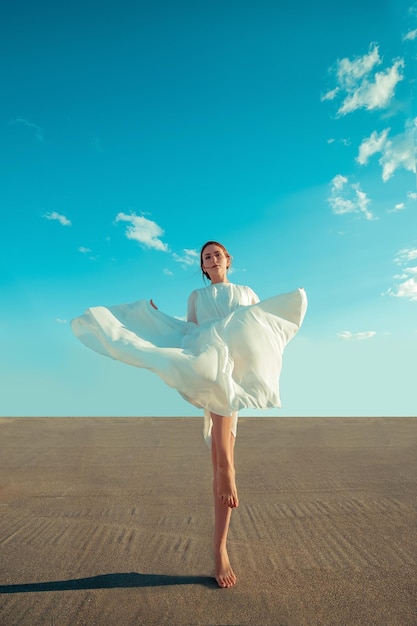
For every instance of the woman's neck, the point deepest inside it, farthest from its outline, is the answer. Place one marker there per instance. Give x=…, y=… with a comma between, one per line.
x=216, y=282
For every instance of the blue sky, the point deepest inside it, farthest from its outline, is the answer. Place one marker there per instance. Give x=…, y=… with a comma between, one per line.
x=132, y=132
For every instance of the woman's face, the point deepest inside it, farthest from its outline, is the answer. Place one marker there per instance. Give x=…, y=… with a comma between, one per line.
x=215, y=263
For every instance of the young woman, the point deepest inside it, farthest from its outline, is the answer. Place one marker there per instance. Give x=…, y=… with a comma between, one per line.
x=226, y=357
x=204, y=305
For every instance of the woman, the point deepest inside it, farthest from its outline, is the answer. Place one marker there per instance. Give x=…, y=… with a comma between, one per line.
x=215, y=262
x=227, y=356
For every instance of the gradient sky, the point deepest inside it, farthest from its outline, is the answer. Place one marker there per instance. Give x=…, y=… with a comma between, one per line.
x=132, y=132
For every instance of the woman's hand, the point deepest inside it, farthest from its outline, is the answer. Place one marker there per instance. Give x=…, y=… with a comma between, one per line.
x=153, y=304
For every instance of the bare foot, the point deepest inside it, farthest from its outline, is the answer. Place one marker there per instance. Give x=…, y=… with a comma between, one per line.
x=225, y=576
x=226, y=487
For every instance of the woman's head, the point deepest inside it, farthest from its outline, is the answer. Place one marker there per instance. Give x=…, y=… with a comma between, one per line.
x=214, y=260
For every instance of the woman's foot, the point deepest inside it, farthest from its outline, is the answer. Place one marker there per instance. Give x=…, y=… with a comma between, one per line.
x=226, y=487
x=225, y=576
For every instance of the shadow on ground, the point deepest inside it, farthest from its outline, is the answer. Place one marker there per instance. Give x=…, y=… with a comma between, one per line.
x=110, y=581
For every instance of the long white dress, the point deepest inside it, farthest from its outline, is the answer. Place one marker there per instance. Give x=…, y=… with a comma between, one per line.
x=227, y=357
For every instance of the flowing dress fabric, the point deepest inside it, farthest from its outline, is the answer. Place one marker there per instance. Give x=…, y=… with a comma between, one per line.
x=228, y=359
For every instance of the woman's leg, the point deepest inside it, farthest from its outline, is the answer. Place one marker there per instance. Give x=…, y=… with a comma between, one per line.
x=225, y=496
x=224, y=447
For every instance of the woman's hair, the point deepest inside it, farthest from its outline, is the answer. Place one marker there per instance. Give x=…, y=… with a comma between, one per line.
x=213, y=243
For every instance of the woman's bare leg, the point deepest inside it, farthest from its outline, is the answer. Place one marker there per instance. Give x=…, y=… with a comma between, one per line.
x=223, y=497
x=224, y=445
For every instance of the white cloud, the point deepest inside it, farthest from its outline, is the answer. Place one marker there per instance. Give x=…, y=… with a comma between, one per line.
x=396, y=152
x=144, y=231
x=348, y=198
x=342, y=140
x=349, y=72
x=374, y=95
x=362, y=201
x=373, y=144
x=362, y=87
x=407, y=288
x=53, y=215
x=168, y=272
x=412, y=195
x=61, y=321
x=412, y=34
x=347, y=335
x=188, y=258
x=23, y=122
x=405, y=255
x=330, y=95
x=398, y=207
x=86, y=251
x=339, y=181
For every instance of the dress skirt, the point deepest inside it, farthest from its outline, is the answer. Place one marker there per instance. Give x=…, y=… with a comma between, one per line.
x=221, y=366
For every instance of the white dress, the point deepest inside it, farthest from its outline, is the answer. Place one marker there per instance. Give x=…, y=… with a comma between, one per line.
x=226, y=357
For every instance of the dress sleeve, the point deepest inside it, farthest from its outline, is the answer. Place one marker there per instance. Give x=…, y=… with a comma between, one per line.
x=253, y=298
x=191, y=308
